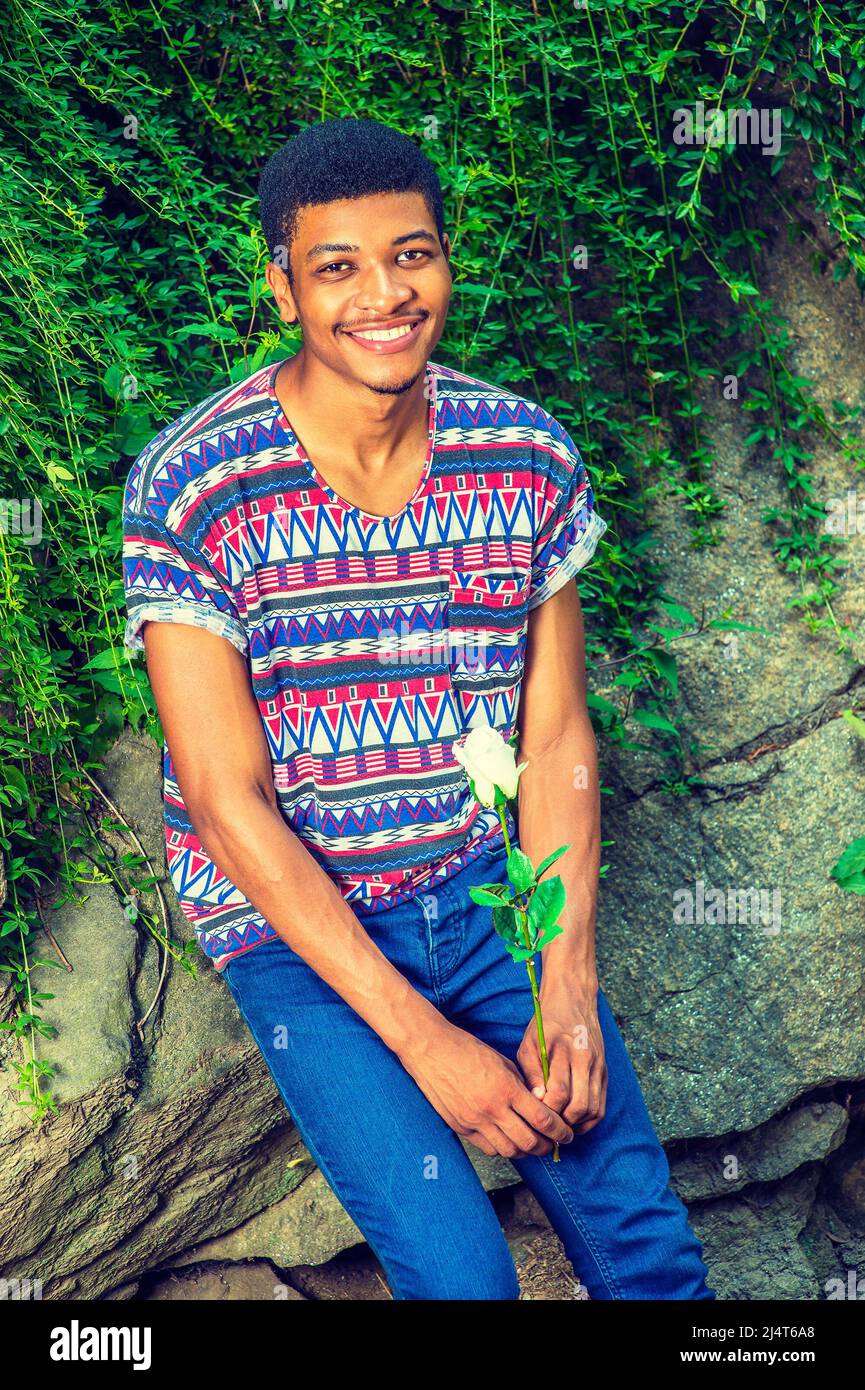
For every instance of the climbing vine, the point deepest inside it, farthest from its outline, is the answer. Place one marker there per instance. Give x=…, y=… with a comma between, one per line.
x=609, y=262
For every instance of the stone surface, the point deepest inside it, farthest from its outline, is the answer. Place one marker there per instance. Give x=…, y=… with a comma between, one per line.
x=255, y=1280
x=751, y=1241
x=729, y=1021
x=716, y=1167
x=309, y=1226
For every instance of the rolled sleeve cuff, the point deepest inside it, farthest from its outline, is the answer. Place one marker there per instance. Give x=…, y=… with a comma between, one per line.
x=190, y=614
x=576, y=558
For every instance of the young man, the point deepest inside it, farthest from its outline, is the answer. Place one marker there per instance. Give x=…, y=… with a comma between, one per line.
x=337, y=568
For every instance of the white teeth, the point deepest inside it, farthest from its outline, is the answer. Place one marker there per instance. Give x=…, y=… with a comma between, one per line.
x=381, y=335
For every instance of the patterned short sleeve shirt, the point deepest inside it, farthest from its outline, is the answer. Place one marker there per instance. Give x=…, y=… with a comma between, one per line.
x=374, y=644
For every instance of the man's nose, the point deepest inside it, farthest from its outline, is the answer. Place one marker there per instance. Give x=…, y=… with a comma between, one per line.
x=382, y=288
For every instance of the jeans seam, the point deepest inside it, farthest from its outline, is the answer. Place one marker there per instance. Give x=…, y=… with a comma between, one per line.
x=448, y=969
x=435, y=978
x=606, y=1273
x=457, y=910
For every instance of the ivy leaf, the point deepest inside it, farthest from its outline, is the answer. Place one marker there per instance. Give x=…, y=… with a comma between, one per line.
x=665, y=665
x=223, y=332
x=58, y=474
x=854, y=721
x=666, y=632
x=599, y=703
x=849, y=872
x=728, y=625
x=134, y=430
x=103, y=661
x=112, y=380
x=678, y=613
x=652, y=720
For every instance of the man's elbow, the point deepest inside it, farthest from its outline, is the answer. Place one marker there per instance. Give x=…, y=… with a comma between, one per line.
x=215, y=804
x=553, y=738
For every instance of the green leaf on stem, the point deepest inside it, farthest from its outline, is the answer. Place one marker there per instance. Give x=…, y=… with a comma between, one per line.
x=500, y=891
x=521, y=870
x=506, y=923
x=484, y=895
x=546, y=937
x=546, y=906
x=519, y=953
x=551, y=859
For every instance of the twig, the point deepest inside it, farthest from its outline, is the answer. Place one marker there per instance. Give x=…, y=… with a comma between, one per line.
x=165, y=922
x=49, y=933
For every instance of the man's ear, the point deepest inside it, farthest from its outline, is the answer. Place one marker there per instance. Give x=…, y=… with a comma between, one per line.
x=278, y=282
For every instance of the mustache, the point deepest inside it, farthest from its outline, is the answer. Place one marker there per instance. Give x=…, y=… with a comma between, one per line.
x=354, y=327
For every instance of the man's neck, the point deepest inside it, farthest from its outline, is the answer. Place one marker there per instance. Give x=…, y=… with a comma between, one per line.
x=374, y=430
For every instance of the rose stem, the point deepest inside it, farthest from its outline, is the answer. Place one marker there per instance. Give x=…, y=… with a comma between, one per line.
x=530, y=967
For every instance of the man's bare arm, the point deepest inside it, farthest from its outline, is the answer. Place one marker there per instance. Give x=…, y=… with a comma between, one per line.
x=559, y=804
x=201, y=683
x=202, y=688
x=559, y=795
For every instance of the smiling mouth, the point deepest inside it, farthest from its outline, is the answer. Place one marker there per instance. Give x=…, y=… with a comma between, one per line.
x=386, y=339
x=383, y=335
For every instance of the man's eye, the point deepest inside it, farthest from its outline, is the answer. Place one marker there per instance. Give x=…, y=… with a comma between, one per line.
x=410, y=251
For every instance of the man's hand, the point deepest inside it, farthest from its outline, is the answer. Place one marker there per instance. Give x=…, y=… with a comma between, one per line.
x=577, y=1086
x=481, y=1094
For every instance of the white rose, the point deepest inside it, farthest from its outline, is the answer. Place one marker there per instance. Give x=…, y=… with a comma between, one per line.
x=490, y=762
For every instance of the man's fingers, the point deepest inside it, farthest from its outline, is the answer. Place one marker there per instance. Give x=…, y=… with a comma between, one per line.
x=529, y=1062
x=559, y=1085
x=514, y=1139
x=594, y=1090
x=585, y=1066
x=526, y=1139
x=597, y=1098
x=541, y=1117
x=480, y=1141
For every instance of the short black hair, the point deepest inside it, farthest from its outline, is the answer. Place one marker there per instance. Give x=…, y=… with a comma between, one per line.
x=340, y=158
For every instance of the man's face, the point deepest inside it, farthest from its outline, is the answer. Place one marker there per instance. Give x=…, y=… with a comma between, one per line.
x=363, y=267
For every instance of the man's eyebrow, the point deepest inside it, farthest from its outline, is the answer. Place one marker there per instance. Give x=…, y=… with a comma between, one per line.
x=324, y=246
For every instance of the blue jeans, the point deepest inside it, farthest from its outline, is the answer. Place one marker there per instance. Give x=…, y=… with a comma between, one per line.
x=402, y=1173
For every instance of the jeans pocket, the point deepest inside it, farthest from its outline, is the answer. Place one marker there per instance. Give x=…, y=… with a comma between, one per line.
x=496, y=854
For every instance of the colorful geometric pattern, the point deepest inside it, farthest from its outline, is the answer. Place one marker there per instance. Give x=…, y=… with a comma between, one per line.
x=373, y=644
